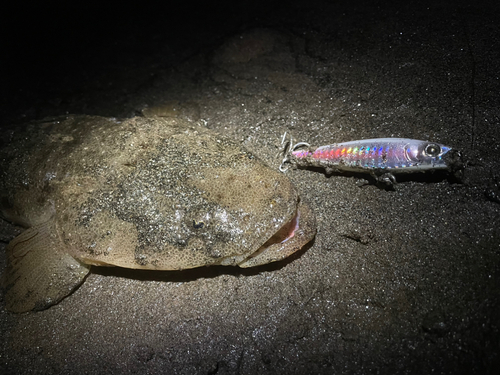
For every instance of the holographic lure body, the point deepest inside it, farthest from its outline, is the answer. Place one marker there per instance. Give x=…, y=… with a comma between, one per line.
x=376, y=156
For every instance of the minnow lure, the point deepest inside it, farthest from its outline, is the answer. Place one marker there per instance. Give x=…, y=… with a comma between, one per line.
x=380, y=157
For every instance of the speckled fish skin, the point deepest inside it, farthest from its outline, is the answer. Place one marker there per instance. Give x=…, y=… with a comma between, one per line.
x=145, y=193
x=379, y=155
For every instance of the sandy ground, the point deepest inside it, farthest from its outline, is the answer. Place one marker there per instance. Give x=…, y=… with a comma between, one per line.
x=396, y=282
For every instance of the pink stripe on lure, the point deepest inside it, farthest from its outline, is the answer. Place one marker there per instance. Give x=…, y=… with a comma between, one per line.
x=394, y=155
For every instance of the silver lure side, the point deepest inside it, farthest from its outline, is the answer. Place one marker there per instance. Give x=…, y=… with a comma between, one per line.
x=379, y=155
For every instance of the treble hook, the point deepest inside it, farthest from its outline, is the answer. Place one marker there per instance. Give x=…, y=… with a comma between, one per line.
x=288, y=149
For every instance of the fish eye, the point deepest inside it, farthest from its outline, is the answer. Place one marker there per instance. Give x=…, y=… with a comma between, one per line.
x=432, y=150
x=198, y=225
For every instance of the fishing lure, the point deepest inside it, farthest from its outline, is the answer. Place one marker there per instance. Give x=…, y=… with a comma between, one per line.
x=381, y=157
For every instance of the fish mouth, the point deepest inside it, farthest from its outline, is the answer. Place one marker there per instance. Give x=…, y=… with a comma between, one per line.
x=285, y=233
x=291, y=237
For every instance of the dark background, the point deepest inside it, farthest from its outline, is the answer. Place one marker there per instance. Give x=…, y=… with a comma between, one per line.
x=396, y=282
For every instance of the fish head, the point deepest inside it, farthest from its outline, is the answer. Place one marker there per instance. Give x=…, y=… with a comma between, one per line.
x=427, y=155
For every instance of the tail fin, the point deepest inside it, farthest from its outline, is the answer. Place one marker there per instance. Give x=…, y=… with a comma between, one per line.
x=39, y=272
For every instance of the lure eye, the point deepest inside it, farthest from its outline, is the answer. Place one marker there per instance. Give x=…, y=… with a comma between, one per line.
x=432, y=150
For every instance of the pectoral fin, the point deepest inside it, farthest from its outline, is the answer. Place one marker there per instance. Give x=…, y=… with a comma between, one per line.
x=39, y=272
